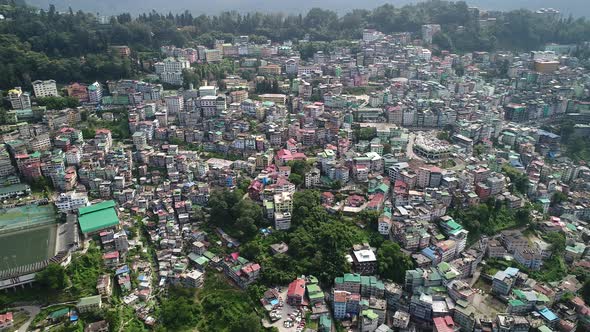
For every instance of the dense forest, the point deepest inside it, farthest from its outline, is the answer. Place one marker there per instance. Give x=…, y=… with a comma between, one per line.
x=73, y=46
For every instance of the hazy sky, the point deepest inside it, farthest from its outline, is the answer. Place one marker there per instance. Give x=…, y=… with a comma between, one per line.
x=108, y=7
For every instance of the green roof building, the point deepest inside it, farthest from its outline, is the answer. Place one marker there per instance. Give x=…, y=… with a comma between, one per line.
x=97, y=217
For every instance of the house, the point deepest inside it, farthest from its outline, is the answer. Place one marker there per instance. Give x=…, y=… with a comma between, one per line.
x=103, y=285
x=240, y=270
x=6, y=320
x=111, y=259
x=444, y=324
x=296, y=292
x=193, y=279
x=89, y=304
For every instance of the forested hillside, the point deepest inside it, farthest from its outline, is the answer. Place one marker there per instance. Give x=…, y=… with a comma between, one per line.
x=72, y=46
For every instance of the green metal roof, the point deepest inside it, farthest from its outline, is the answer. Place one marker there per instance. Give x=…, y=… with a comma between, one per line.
x=516, y=303
x=370, y=314
x=98, y=216
x=90, y=300
x=349, y=277
x=59, y=313
x=452, y=224
x=96, y=207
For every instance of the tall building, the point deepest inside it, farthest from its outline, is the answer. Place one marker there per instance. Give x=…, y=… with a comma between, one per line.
x=18, y=99
x=45, y=88
x=174, y=104
x=94, y=93
x=428, y=31
x=283, y=204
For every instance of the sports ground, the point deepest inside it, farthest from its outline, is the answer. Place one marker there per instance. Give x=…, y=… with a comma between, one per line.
x=27, y=235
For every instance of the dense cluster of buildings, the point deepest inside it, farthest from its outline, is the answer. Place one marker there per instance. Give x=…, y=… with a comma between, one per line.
x=419, y=144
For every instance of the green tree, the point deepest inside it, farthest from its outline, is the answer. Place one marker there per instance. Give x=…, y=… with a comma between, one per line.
x=247, y=323
x=557, y=198
x=519, y=180
x=296, y=179
x=179, y=310
x=392, y=262
x=53, y=277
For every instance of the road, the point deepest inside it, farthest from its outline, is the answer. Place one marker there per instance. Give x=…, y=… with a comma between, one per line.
x=33, y=311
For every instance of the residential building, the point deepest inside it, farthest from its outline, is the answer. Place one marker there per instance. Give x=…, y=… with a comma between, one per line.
x=95, y=93
x=364, y=260
x=19, y=100
x=296, y=292
x=89, y=304
x=45, y=89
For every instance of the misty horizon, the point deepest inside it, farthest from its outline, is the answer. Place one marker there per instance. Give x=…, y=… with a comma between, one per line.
x=112, y=7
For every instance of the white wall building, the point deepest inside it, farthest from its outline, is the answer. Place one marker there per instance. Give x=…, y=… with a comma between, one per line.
x=71, y=201
x=45, y=88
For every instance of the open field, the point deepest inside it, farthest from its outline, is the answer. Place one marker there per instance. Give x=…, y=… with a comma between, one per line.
x=17, y=218
x=27, y=246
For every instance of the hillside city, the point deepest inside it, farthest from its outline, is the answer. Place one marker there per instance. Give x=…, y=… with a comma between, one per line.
x=389, y=182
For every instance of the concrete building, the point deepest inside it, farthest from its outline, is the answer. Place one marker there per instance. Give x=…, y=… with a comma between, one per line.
x=364, y=260
x=19, y=100
x=95, y=93
x=45, y=89
x=283, y=207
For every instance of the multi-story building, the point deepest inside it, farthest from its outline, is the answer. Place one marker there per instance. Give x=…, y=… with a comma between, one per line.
x=103, y=286
x=529, y=257
x=296, y=292
x=139, y=140
x=89, y=304
x=283, y=207
x=428, y=31
x=71, y=201
x=45, y=89
x=18, y=99
x=171, y=65
x=95, y=93
x=240, y=270
x=503, y=281
x=174, y=104
x=312, y=178
x=78, y=91
x=363, y=259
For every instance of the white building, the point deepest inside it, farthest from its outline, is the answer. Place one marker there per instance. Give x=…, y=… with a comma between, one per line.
x=428, y=31
x=193, y=279
x=18, y=99
x=207, y=90
x=71, y=201
x=283, y=204
x=171, y=65
x=139, y=140
x=45, y=88
x=94, y=93
x=174, y=104
x=312, y=178
x=174, y=78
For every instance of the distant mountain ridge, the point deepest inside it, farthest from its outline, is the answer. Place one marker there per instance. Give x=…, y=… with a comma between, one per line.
x=111, y=7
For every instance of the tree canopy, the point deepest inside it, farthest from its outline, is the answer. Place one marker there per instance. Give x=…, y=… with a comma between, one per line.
x=40, y=44
x=392, y=262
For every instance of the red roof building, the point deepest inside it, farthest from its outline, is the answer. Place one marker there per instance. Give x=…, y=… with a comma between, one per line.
x=296, y=292
x=444, y=324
